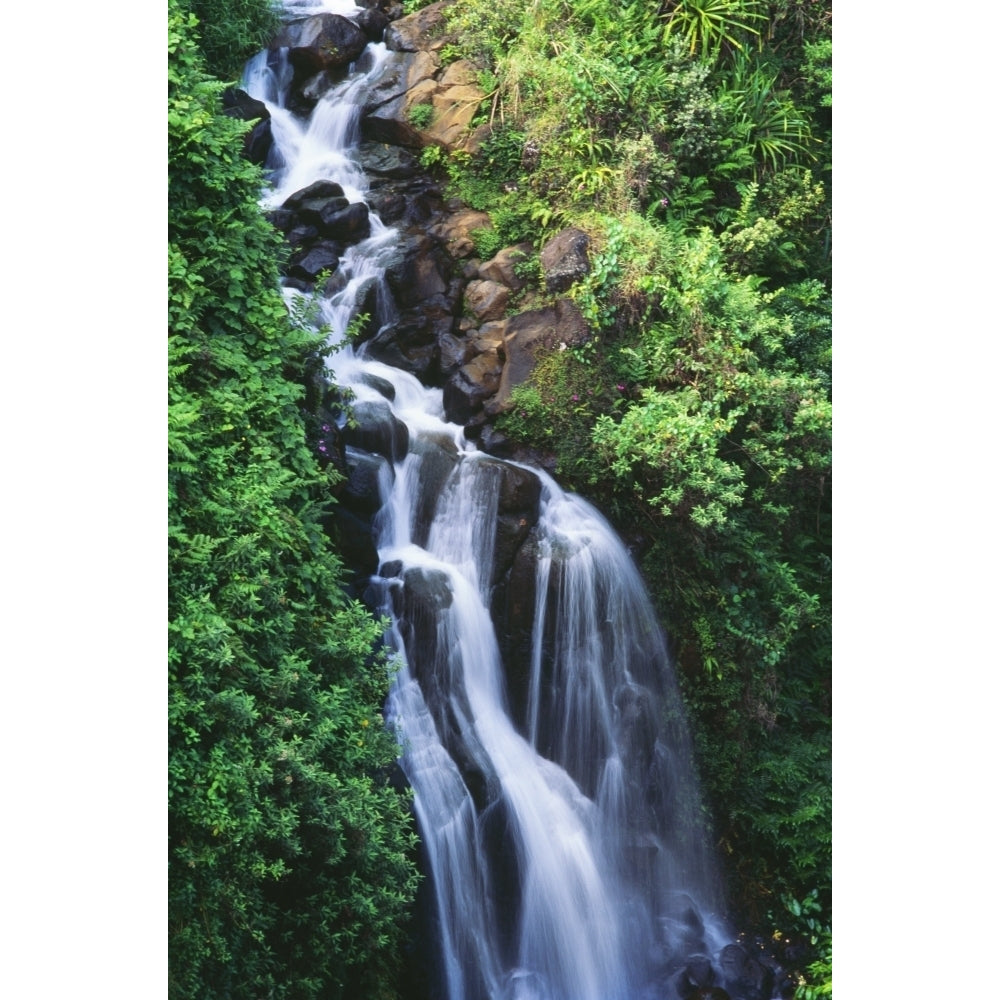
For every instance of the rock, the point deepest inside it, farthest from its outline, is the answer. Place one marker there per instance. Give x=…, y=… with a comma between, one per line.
x=400, y=72
x=318, y=190
x=238, y=103
x=501, y=268
x=373, y=23
x=564, y=259
x=355, y=542
x=454, y=108
x=528, y=336
x=311, y=211
x=425, y=29
x=455, y=229
x=282, y=219
x=302, y=236
x=454, y=352
x=323, y=256
x=420, y=273
x=321, y=42
x=474, y=383
x=410, y=343
x=461, y=73
x=513, y=612
x=377, y=430
x=258, y=142
x=438, y=460
x=486, y=300
x=351, y=224
x=383, y=160
x=361, y=491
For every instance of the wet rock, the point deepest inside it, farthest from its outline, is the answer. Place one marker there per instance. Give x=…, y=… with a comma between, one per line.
x=360, y=493
x=239, y=104
x=322, y=256
x=454, y=352
x=420, y=273
x=373, y=23
x=377, y=430
x=318, y=192
x=438, y=460
x=410, y=344
x=282, y=219
x=321, y=42
x=302, y=236
x=351, y=224
x=258, y=142
x=382, y=386
x=513, y=612
x=355, y=541
x=383, y=160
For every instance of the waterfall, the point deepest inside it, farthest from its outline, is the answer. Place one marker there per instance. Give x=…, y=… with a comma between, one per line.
x=552, y=778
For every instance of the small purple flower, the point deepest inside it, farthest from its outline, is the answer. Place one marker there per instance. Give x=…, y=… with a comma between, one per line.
x=322, y=447
x=326, y=428
x=664, y=202
x=620, y=387
x=575, y=397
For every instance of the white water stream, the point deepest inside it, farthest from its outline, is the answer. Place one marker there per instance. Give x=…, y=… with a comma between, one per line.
x=564, y=846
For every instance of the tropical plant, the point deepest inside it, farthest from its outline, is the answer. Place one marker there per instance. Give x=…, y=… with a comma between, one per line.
x=707, y=25
x=230, y=31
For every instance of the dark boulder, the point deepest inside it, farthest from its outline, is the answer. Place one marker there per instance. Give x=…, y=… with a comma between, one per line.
x=438, y=460
x=258, y=143
x=372, y=22
x=377, y=429
x=564, y=259
x=317, y=191
x=308, y=265
x=313, y=210
x=360, y=493
x=321, y=42
x=350, y=224
x=239, y=104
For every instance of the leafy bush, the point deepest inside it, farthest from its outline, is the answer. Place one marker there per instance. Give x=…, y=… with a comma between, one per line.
x=421, y=115
x=291, y=865
x=230, y=31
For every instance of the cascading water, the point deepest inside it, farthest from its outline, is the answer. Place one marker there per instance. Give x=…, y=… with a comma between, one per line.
x=552, y=777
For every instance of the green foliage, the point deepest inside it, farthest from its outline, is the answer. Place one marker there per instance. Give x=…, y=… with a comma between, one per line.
x=556, y=408
x=778, y=228
x=421, y=115
x=593, y=295
x=290, y=853
x=230, y=31
x=706, y=26
x=487, y=242
x=432, y=156
x=764, y=119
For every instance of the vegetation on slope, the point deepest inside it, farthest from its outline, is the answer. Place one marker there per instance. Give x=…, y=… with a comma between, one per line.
x=291, y=868
x=691, y=141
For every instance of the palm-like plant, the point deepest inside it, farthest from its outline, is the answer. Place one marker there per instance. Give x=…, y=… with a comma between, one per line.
x=766, y=121
x=705, y=25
